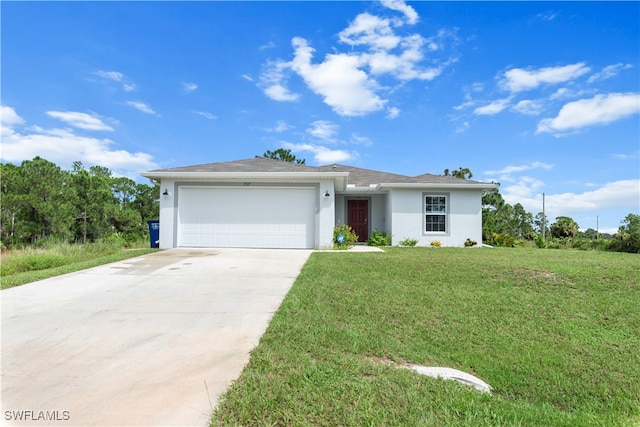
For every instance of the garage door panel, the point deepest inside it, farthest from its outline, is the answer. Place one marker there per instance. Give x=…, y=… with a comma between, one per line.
x=242, y=217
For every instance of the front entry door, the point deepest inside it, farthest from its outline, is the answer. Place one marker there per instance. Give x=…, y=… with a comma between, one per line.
x=358, y=218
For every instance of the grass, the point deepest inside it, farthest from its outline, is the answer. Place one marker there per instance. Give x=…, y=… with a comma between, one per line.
x=28, y=265
x=555, y=333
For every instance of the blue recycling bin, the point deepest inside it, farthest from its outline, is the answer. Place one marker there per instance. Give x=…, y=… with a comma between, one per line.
x=154, y=233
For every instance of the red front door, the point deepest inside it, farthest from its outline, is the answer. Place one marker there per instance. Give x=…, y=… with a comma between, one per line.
x=358, y=218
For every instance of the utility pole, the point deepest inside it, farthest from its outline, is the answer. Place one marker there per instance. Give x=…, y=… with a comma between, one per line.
x=544, y=218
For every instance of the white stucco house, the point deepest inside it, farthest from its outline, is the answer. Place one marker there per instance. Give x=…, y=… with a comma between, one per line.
x=266, y=203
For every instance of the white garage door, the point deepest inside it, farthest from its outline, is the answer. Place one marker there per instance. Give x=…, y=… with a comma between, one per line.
x=246, y=217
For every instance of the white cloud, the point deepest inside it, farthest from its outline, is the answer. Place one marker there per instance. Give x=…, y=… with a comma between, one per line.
x=629, y=156
x=345, y=87
x=347, y=80
x=608, y=72
x=280, y=126
x=528, y=107
x=111, y=75
x=321, y=154
x=272, y=81
x=403, y=66
x=141, y=106
x=277, y=92
x=467, y=104
x=494, y=107
x=206, y=115
x=323, y=129
x=564, y=93
x=62, y=147
x=80, y=120
x=463, y=127
x=189, y=87
x=519, y=79
x=547, y=16
x=392, y=113
x=247, y=77
x=599, y=110
x=118, y=77
x=361, y=140
x=370, y=30
x=9, y=117
x=505, y=174
x=268, y=45
x=410, y=14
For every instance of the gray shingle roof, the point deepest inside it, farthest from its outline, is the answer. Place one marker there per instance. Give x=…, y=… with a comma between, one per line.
x=258, y=164
x=357, y=176
x=364, y=177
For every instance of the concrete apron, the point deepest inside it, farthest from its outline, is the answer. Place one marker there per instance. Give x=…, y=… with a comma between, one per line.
x=148, y=341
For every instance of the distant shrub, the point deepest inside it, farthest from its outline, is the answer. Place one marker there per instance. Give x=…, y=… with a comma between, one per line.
x=540, y=242
x=379, y=238
x=343, y=236
x=436, y=244
x=408, y=242
x=469, y=243
x=625, y=242
x=504, y=240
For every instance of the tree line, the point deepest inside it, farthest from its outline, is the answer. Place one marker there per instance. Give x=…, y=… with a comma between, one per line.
x=41, y=201
x=510, y=226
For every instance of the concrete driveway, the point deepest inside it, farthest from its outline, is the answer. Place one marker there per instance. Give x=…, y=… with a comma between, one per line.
x=149, y=341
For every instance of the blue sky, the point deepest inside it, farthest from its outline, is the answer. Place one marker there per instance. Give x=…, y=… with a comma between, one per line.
x=543, y=97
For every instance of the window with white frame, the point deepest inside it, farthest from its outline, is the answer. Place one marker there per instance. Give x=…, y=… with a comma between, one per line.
x=435, y=208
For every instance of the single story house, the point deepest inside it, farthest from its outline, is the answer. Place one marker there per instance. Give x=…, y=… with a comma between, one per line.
x=266, y=203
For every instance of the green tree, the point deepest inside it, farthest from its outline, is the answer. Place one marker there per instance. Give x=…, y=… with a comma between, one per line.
x=492, y=203
x=124, y=190
x=590, y=233
x=630, y=224
x=43, y=199
x=124, y=217
x=627, y=239
x=463, y=173
x=540, y=220
x=523, y=223
x=147, y=201
x=284, y=155
x=10, y=209
x=95, y=201
x=564, y=227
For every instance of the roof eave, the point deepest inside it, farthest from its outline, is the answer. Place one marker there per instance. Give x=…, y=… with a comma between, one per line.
x=443, y=186
x=339, y=177
x=241, y=175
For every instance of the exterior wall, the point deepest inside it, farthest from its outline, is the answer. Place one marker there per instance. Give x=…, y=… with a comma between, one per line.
x=465, y=212
x=324, y=221
x=326, y=214
x=378, y=213
x=464, y=209
x=168, y=214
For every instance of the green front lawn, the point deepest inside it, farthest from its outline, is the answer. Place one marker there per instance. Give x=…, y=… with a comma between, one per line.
x=555, y=333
